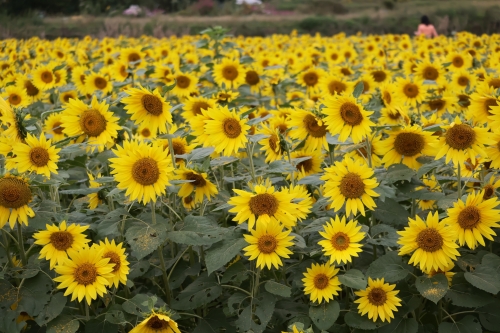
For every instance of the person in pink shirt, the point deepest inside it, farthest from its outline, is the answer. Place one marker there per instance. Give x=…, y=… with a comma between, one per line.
x=426, y=28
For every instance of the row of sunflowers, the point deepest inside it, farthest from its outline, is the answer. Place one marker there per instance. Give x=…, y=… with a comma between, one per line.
x=213, y=183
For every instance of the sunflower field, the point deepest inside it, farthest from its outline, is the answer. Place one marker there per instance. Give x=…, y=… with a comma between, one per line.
x=213, y=183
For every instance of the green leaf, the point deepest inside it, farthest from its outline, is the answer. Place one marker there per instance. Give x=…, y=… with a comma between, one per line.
x=278, y=289
x=390, y=267
x=400, y=325
x=425, y=168
x=311, y=180
x=433, y=288
x=202, y=291
x=485, y=278
x=115, y=317
x=236, y=274
x=263, y=311
x=468, y=324
x=197, y=154
x=391, y=212
x=135, y=304
x=491, y=260
x=353, y=279
x=387, y=236
x=198, y=230
x=82, y=191
x=324, y=315
x=52, y=310
x=397, y=172
x=215, y=322
x=35, y=294
x=145, y=238
x=223, y=160
x=358, y=90
x=355, y=320
x=490, y=316
x=462, y=293
x=63, y=324
x=221, y=253
x=100, y=325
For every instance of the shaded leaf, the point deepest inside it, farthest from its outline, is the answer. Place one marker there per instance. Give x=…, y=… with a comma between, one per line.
x=353, y=279
x=324, y=315
x=63, y=324
x=485, y=278
x=355, y=320
x=202, y=291
x=462, y=293
x=433, y=288
x=52, y=310
x=400, y=325
x=278, y=289
x=490, y=316
x=468, y=324
x=397, y=172
x=390, y=267
x=221, y=253
x=391, y=212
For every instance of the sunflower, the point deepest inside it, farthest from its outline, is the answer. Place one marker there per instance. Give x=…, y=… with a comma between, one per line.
x=432, y=185
x=16, y=96
x=360, y=154
x=468, y=169
x=493, y=151
x=145, y=132
x=494, y=117
x=461, y=140
x=474, y=219
x=302, y=198
x=186, y=84
x=98, y=82
x=199, y=184
x=309, y=127
x=378, y=300
x=34, y=94
x=462, y=80
x=271, y=145
x=268, y=244
x=58, y=240
x=94, y=199
x=79, y=77
x=194, y=105
x=36, y=155
x=44, y=78
x=489, y=187
x=309, y=166
x=410, y=92
x=431, y=71
x=142, y=169
x=148, y=107
x=459, y=61
x=350, y=183
x=163, y=73
x=380, y=76
x=85, y=275
x=225, y=96
x=133, y=57
x=321, y=282
x=65, y=96
x=483, y=107
x=335, y=85
x=263, y=205
x=157, y=323
x=15, y=195
x=93, y=121
x=441, y=104
x=341, y=240
x=53, y=126
x=397, y=116
x=116, y=254
x=406, y=145
x=225, y=131
x=229, y=73
x=15, y=131
x=432, y=243
x=310, y=78
x=188, y=203
x=344, y=116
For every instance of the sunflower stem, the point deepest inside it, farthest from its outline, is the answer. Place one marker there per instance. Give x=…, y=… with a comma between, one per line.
x=290, y=160
x=87, y=316
x=20, y=244
x=6, y=243
x=413, y=208
x=164, y=275
x=369, y=151
x=171, y=147
x=250, y=159
x=153, y=212
x=459, y=181
x=332, y=155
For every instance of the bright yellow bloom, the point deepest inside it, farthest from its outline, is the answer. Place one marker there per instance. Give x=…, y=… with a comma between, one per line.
x=341, y=240
x=15, y=195
x=156, y=323
x=321, y=282
x=116, y=254
x=378, y=300
x=36, y=155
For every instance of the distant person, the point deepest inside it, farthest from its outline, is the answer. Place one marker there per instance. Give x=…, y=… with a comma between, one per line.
x=426, y=28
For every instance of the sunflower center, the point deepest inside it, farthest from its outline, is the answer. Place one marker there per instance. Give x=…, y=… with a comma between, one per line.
x=336, y=87
x=82, y=78
x=305, y=166
x=379, y=76
x=437, y=104
x=410, y=90
x=31, y=89
x=469, y=217
x=351, y=114
x=489, y=103
x=489, y=190
x=183, y=81
x=267, y=244
x=313, y=128
x=232, y=128
x=132, y=57
x=92, y=122
x=346, y=71
x=321, y=281
x=495, y=83
x=146, y=132
x=61, y=240
x=409, y=144
x=458, y=61
x=145, y=171
x=39, y=156
x=114, y=258
x=198, y=106
x=47, y=77
x=460, y=136
x=14, y=193
x=311, y=79
x=283, y=127
x=188, y=200
x=67, y=97
x=377, y=296
x=14, y=99
x=352, y=186
x=340, y=241
x=230, y=72
x=463, y=81
x=252, y=78
x=386, y=96
x=157, y=324
x=179, y=148
x=429, y=240
x=100, y=83
x=430, y=73
x=264, y=203
x=198, y=180
x=57, y=128
x=123, y=71
x=334, y=56
x=152, y=104
x=464, y=100
x=85, y=274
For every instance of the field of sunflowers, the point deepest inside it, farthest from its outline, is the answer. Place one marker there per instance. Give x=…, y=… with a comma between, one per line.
x=213, y=183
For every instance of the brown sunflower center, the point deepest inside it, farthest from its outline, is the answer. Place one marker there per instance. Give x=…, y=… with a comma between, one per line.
x=489, y=191
x=313, y=128
x=379, y=76
x=197, y=180
x=183, y=81
x=61, y=240
x=345, y=71
x=267, y=244
x=188, y=200
x=252, y=78
x=231, y=127
x=114, y=258
x=464, y=100
x=14, y=99
x=85, y=274
x=311, y=79
x=340, y=241
x=145, y=171
x=436, y=104
x=283, y=128
x=152, y=104
x=488, y=103
x=47, y=76
x=429, y=240
x=463, y=81
x=430, y=73
x=157, y=324
x=495, y=83
x=57, y=127
x=145, y=132
x=100, y=83
x=92, y=122
x=14, y=193
x=410, y=90
x=469, y=217
x=133, y=57
x=334, y=56
x=386, y=96
x=179, y=148
x=123, y=71
x=377, y=296
x=198, y=106
x=39, y=156
x=321, y=281
x=67, y=97
x=352, y=186
x=230, y=72
x=82, y=78
x=31, y=89
x=409, y=144
x=460, y=136
x=264, y=203
x=305, y=166
x=336, y=87
x=351, y=114
x=458, y=61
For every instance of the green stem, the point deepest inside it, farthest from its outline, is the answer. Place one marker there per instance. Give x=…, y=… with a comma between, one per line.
x=6, y=242
x=238, y=288
x=459, y=181
x=413, y=208
x=87, y=316
x=250, y=159
x=368, y=151
x=164, y=275
x=171, y=147
x=153, y=212
x=290, y=160
x=21, y=244
x=332, y=155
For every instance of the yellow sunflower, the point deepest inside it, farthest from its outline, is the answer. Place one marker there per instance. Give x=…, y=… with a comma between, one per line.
x=85, y=275
x=254, y=78
x=15, y=195
x=186, y=84
x=493, y=151
x=378, y=300
x=335, y=85
x=432, y=185
x=53, y=126
x=302, y=198
x=199, y=184
x=321, y=282
x=310, y=78
x=142, y=170
x=410, y=92
x=459, y=61
x=397, y=116
x=461, y=80
x=157, y=322
x=307, y=126
x=16, y=96
x=65, y=96
x=341, y=240
x=44, y=78
x=94, y=199
x=474, y=219
x=188, y=203
x=98, y=82
x=36, y=155
x=309, y=166
x=482, y=106
x=229, y=73
x=352, y=184
x=271, y=145
x=268, y=244
x=194, y=105
x=58, y=240
x=431, y=243
x=344, y=116
x=116, y=254
x=432, y=71
x=387, y=94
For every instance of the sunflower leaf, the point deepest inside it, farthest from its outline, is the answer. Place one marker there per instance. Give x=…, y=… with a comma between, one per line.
x=400, y=325
x=490, y=316
x=353, y=278
x=278, y=289
x=462, y=293
x=358, y=90
x=63, y=324
x=433, y=288
x=324, y=315
x=485, y=278
x=468, y=324
x=390, y=267
x=221, y=253
x=355, y=320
